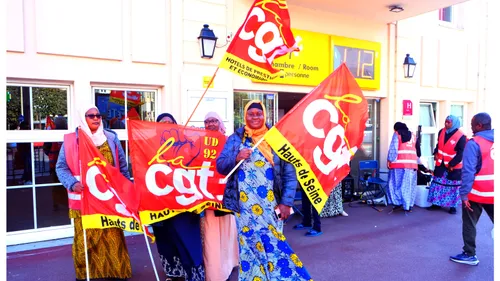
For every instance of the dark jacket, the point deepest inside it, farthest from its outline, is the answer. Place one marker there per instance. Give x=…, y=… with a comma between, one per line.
x=459, y=148
x=285, y=180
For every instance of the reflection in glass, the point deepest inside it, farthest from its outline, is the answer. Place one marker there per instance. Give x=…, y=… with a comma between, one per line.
x=19, y=164
x=139, y=105
x=242, y=98
x=458, y=110
x=48, y=103
x=427, y=146
x=426, y=115
x=34, y=107
x=47, y=159
x=52, y=206
x=20, y=209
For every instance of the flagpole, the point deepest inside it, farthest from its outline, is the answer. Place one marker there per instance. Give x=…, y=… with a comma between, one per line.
x=241, y=161
x=202, y=96
x=86, y=254
x=149, y=250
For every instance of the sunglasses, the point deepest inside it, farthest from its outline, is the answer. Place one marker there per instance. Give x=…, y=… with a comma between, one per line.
x=93, y=116
x=213, y=121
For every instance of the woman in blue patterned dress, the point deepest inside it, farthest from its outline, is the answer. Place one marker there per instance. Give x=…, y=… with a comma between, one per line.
x=261, y=184
x=402, y=183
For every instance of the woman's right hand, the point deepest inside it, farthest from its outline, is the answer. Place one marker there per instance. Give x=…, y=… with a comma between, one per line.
x=77, y=187
x=243, y=154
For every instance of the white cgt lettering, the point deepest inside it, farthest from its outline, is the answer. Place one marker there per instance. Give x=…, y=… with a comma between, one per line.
x=91, y=183
x=339, y=157
x=266, y=27
x=151, y=179
x=189, y=194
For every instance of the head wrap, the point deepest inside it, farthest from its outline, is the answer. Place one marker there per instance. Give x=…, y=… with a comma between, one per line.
x=98, y=138
x=403, y=131
x=455, y=123
x=163, y=115
x=258, y=134
x=222, y=127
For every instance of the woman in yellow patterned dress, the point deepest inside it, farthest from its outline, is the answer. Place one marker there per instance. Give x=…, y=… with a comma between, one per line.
x=107, y=251
x=262, y=184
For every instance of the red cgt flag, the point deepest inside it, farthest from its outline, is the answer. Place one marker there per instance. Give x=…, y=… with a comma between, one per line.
x=109, y=199
x=320, y=135
x=264, y=36
x=174, y=169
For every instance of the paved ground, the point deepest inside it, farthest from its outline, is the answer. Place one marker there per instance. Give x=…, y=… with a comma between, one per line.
x=367, y=245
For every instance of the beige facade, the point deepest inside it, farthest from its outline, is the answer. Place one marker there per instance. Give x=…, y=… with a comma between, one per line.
x=151, y=47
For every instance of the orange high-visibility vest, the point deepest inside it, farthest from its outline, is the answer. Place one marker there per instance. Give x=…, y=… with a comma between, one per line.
x=73, y=161
x=407, y=155
x=484, y=182
x=446, y=151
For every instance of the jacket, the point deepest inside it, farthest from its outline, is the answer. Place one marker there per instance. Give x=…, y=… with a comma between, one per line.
x=285, y=180
x=64, y=173
x=472, y=162
x=439, y=170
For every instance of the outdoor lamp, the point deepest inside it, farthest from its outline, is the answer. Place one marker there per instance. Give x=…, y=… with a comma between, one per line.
x=409, y=66
x=207, y=42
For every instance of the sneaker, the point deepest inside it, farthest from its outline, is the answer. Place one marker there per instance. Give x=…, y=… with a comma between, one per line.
x=313, y=233
x=301, y=226
x=452, y=210
x=465, y=259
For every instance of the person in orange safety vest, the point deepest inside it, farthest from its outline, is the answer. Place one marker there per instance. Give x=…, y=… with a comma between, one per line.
x=447, y=179
x=477, y=191
x=402, y=161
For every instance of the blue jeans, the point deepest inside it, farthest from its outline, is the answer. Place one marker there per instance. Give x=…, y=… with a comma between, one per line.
x=307, y=210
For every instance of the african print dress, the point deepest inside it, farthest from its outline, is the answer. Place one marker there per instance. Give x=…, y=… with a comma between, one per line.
x=264, y=251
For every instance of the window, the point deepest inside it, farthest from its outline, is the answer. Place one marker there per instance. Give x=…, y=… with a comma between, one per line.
x=445, y=14
x=115, y=108
x=458, y=110
x=29, y=108
x=35, y=198
x=116, y=105
x=428, y=134
x=452, y=16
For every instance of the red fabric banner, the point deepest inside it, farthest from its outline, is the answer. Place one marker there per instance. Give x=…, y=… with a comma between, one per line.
x=109, y=199
x=322, y=133
x=264, y=36
x=174, y=169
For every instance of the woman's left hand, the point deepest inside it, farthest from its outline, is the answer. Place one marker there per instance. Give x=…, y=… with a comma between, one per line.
x=285, y=211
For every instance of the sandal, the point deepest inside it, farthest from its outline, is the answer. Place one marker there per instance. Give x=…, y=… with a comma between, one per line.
x=301, y=226
x=313, y=233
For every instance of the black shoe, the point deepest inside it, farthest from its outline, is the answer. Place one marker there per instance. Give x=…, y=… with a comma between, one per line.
x=433, y=207
x=453, y=210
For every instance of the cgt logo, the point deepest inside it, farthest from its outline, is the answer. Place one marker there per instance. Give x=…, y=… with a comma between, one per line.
x=92, y=177
x=259, y=37
x=339, y=155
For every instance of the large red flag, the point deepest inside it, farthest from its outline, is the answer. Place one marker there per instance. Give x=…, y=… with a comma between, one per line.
x=174, y=169
x=321, y=134
x=109, y=199
x=264, y=36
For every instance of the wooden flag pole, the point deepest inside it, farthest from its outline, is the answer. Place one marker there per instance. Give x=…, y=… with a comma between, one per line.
x=202, y=96
x=86, y=253
x=150, y=254
x=241, y=161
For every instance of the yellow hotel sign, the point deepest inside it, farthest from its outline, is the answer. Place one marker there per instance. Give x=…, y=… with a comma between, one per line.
x=310, y=66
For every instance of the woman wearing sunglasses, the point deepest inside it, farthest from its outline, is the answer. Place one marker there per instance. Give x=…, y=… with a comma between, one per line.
x=107, y=252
